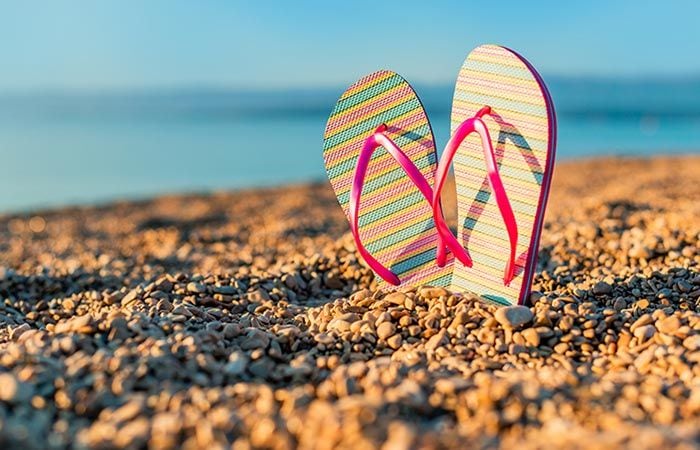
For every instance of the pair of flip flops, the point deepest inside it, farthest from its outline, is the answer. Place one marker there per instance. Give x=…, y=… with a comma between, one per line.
x=381, y=160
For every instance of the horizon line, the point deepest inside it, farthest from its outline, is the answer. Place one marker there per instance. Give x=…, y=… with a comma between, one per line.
x=255, y=88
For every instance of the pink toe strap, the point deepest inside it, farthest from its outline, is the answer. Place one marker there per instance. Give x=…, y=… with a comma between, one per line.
x=475, y=124
x=372, y=143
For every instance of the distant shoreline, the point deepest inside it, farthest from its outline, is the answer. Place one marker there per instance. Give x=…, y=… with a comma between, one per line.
x=146, y=199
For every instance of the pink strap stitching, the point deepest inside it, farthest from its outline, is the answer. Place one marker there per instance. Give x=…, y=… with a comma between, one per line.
x=373, y=142
x=465, y=129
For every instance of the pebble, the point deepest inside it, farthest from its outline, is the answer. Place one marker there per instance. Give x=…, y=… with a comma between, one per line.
x=324, y=338
x=397, y=298
x=16, y=332
x=79, y=324
x=644, y=332
x=67, y=344
x=437, y=340
x=237, y=363
x=532, y=337
x=602, y=288
x=119, y=329
x=255, y=339
x=130, y=297
x=432, y=292
x=513, y=316
x=126, y=412
x=639, y=252
x=231, y=330
x=692, y=343
x=395, y=341
x=644, y=319
x=669, y=325
x=196, y=288
x=386, y=330
x=14, y=391
x=620, y=304
x=225, y=290
x=684, y=286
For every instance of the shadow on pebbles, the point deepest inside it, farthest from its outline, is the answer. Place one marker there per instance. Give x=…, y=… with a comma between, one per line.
x=245, y=320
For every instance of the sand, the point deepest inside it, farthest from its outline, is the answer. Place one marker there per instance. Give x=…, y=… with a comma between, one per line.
x=245, y=320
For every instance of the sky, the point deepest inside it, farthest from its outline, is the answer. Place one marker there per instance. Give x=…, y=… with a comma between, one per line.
x=279, y=44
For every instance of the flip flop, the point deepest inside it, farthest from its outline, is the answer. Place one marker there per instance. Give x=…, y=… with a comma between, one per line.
x=380, y=158
x=503, y=145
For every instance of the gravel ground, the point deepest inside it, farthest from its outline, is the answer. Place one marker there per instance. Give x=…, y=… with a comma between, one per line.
x=244, y=320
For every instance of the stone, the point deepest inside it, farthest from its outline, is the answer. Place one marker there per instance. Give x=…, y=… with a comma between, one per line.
x=225, y=290
x=437, y=340
x=237, y=363
x=231, y=330
x=127, y=411
x=532, y=337
x=668, y=325
x=692, y=343
x=385, y=330
x=255, y=339
x=119, y=329
x=196, y=288
x=513, y=316
x=432, y=292
x=644, y=319
x=14, y=391
x=130, y=297
x=644, y=332
x=324, y=338
x=78, y=324
x=397, y=298
x=602, y=288
x=395, y=341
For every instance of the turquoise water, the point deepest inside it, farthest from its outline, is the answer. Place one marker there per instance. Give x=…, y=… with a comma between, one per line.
x=60, y=149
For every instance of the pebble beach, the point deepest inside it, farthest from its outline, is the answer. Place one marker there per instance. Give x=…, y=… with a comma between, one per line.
x=244, y=320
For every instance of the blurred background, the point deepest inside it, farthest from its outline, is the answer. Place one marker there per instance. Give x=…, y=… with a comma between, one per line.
x=106, y=100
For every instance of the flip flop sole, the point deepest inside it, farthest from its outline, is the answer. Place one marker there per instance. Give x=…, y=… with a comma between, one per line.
x=523, y=135
x=395, y=220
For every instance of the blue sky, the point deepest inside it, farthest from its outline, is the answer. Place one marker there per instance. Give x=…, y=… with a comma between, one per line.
x=261, y=44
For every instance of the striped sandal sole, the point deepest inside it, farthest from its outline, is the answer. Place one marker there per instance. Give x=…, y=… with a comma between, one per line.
x=395, y=221
x=523, y=136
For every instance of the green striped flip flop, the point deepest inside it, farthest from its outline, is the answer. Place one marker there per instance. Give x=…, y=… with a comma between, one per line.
x=501, y=211
x=395, y=231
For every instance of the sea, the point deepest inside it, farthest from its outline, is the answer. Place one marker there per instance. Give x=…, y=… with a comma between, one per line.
x=62, y=148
